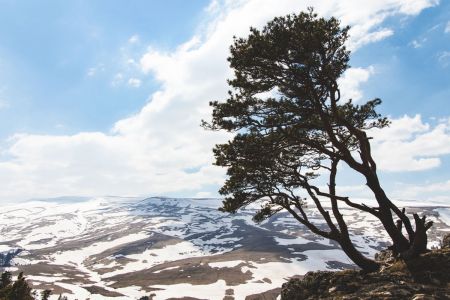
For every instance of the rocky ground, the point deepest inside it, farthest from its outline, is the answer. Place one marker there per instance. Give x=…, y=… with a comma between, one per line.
x=426, y=277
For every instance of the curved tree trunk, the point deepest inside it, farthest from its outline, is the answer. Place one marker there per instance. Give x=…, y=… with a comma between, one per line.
x=418, y=239
x=366, y=264
x=419, y=243
x=343, y=236
x=400, y=242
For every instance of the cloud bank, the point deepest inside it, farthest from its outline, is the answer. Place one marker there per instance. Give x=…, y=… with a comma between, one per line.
x=162, y=149
x=409, y=144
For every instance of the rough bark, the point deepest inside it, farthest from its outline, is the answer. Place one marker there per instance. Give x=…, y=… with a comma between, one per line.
x=366, y=264
x=344, y=240
x=419, y=243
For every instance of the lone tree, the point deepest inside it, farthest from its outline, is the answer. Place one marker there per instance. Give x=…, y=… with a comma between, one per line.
x=291, y=126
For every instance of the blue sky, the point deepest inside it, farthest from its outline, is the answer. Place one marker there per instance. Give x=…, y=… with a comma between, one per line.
x=48, y=47
x=106, y=97
x=412, y=79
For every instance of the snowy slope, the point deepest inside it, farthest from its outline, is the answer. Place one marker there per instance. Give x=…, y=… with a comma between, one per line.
x=125, y=248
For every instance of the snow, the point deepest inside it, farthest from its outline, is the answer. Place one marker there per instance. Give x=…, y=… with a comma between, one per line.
x=277, y=272
x=112, y=264
x=153, y=257
x=76, y=257
x=166, y=269
x=226, y=264
x=77, y=292
x=4, y=248
x=51, y=221
x=444, y=214
x=51, y=278
x=18, y=261
x=294, y=241
x=105, y=224
x=209, y=291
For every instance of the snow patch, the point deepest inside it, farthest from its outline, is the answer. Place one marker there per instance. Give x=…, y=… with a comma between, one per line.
x=444, y=214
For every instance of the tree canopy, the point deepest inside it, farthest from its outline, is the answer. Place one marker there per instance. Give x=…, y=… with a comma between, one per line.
x=291, y=127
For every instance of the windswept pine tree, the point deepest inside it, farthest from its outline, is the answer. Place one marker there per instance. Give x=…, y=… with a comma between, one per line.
x=292, y=126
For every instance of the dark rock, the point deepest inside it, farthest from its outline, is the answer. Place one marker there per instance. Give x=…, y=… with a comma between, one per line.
x=267, y=295
x=446, y=241
x=426, y=277
x=385, y=256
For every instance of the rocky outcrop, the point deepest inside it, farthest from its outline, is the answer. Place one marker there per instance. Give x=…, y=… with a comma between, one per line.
x=446, y=242
x=426, y=277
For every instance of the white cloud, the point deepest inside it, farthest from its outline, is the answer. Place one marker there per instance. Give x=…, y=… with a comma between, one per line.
x=131, y=61
x=403, y=194
x=95, y=163
x=149, y=153
x=351, y=80
x=418, y=43
x=134, y=82
x=203, y=195
x=414, y=7
x=409, y=144
x=91, y=72
x=444, y=58
x=368, y=37
x=436, y=192
x=447, y=27
x=117, y=79
x=134, y=39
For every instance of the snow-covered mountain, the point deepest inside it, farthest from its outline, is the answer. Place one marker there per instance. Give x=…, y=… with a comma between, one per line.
x=125, y=248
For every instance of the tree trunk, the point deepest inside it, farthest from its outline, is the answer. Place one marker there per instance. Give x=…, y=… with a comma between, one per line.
x=343, y=237
x=400, y=242
x=366, y=264
x=401, y=245
x=419, y=244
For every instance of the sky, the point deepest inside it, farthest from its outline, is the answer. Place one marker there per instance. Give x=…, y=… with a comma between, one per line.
x=106, y=97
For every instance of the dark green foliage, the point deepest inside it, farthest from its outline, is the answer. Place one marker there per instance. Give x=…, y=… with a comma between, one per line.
x=300, y=57
x=18, y=290
x=5, y=280
x=5, y=285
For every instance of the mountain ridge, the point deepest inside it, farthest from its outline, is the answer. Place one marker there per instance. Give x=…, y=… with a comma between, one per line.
x=125, y=249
